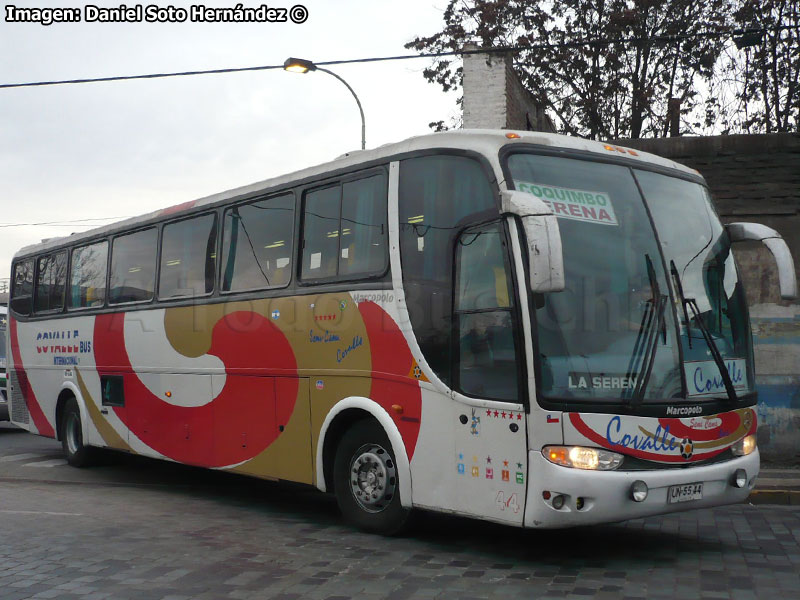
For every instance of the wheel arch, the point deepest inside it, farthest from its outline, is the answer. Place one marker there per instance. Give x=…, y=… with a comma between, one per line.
x=339, y=419
x=70, y=390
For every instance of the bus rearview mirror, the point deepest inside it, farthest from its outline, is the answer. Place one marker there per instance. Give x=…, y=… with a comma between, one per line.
x=787, y=278
x=543, y=240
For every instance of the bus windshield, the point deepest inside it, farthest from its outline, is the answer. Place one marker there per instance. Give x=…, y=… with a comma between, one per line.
x=636, y=322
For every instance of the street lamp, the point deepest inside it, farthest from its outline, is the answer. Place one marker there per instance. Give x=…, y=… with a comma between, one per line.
x=299, y=65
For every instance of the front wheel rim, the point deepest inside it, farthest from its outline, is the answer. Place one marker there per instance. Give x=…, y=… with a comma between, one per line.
x=373, y=478
x=72, y=433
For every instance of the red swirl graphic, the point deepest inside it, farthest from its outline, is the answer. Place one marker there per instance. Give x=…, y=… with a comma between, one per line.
x=34, y=408
x=391, y=362
x=235, y=426
x=731, y=419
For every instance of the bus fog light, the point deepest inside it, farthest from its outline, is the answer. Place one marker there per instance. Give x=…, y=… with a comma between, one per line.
x=579, y=457
x=744, y=446
x=739, y=478
x=558, y=502
x=639, y=491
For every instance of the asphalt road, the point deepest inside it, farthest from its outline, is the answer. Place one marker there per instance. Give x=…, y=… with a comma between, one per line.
x=135, y=528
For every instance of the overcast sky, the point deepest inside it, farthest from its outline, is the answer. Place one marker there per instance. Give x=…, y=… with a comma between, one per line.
x=120, y=149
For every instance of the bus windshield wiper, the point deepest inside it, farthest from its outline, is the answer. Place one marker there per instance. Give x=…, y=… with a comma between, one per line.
x=644, y=349
x=691, y=303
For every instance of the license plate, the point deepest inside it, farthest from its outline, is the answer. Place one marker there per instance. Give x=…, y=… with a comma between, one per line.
x=684, y=493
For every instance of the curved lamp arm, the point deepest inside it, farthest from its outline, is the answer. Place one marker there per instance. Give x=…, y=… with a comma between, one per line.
x=361, y=110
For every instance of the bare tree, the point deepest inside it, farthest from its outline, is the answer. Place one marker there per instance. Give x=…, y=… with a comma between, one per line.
x=602, y=68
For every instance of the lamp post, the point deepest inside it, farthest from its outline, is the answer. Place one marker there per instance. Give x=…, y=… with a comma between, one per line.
x=299, y=65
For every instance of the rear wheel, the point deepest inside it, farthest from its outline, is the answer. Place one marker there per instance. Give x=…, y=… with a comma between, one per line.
x=76, y=452
x=366, y=481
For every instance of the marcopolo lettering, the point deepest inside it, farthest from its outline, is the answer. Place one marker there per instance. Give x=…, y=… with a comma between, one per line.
x=683, y=411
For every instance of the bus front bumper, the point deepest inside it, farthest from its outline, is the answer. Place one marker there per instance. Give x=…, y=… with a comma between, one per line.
x=591, y=497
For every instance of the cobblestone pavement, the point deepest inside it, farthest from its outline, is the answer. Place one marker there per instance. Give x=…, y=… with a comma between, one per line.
x=172, y=532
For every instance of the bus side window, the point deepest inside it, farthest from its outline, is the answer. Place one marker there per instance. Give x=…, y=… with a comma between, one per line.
x=321, y=233
x=487, y=357
x=344, y=230
x=22, y=287
x=188, y=257
x=363, y=237
x=257, y=244
x=51, y=279
x=439, y=194
x=133, y=267
x=87, y=281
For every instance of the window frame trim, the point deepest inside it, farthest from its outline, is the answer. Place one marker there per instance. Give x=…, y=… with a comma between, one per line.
x=37, y=258
x=113, y=238
x=72, y=249
x=164, y=224
x=340, y=181
x=12, y=296
x=513, y=310
x=225, y=209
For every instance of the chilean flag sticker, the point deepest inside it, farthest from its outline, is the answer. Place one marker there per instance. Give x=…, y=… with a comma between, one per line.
x=552, y=419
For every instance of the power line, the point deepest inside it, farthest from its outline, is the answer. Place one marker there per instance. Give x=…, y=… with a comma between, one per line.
x=75, y=223
x=658, y=39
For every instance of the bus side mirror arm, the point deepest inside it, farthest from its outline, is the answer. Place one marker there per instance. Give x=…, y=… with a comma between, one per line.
x=740, y=232
x=543, y=239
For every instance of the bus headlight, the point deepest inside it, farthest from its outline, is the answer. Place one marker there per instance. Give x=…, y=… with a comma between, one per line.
x=578, y=457
x=744, y=446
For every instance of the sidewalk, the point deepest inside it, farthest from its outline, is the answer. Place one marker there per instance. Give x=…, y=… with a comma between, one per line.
x=777, y=486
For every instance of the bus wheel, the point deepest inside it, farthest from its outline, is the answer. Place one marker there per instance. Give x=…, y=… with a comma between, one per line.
x=365, y=480
x=77, y=454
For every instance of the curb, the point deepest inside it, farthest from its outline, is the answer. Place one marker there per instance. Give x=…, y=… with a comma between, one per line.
x=784, y=497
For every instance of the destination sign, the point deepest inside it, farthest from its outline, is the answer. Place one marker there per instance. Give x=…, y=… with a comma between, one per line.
x=567, y=203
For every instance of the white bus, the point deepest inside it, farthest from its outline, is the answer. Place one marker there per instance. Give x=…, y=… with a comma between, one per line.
x=526, y=328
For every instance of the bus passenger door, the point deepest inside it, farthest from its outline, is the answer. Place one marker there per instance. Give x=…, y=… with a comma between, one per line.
x=491, y=442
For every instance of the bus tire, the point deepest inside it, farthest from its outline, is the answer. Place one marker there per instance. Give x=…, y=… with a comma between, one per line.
x=365, y=480
x=76, y=452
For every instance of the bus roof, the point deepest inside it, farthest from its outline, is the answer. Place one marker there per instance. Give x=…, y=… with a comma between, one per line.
x=485, y=141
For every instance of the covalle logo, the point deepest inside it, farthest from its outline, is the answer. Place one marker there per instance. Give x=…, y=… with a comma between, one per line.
x=660, y=441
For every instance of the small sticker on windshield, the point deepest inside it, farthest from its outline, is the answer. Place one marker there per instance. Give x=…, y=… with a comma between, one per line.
x=579, y=205
x=704, y=379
